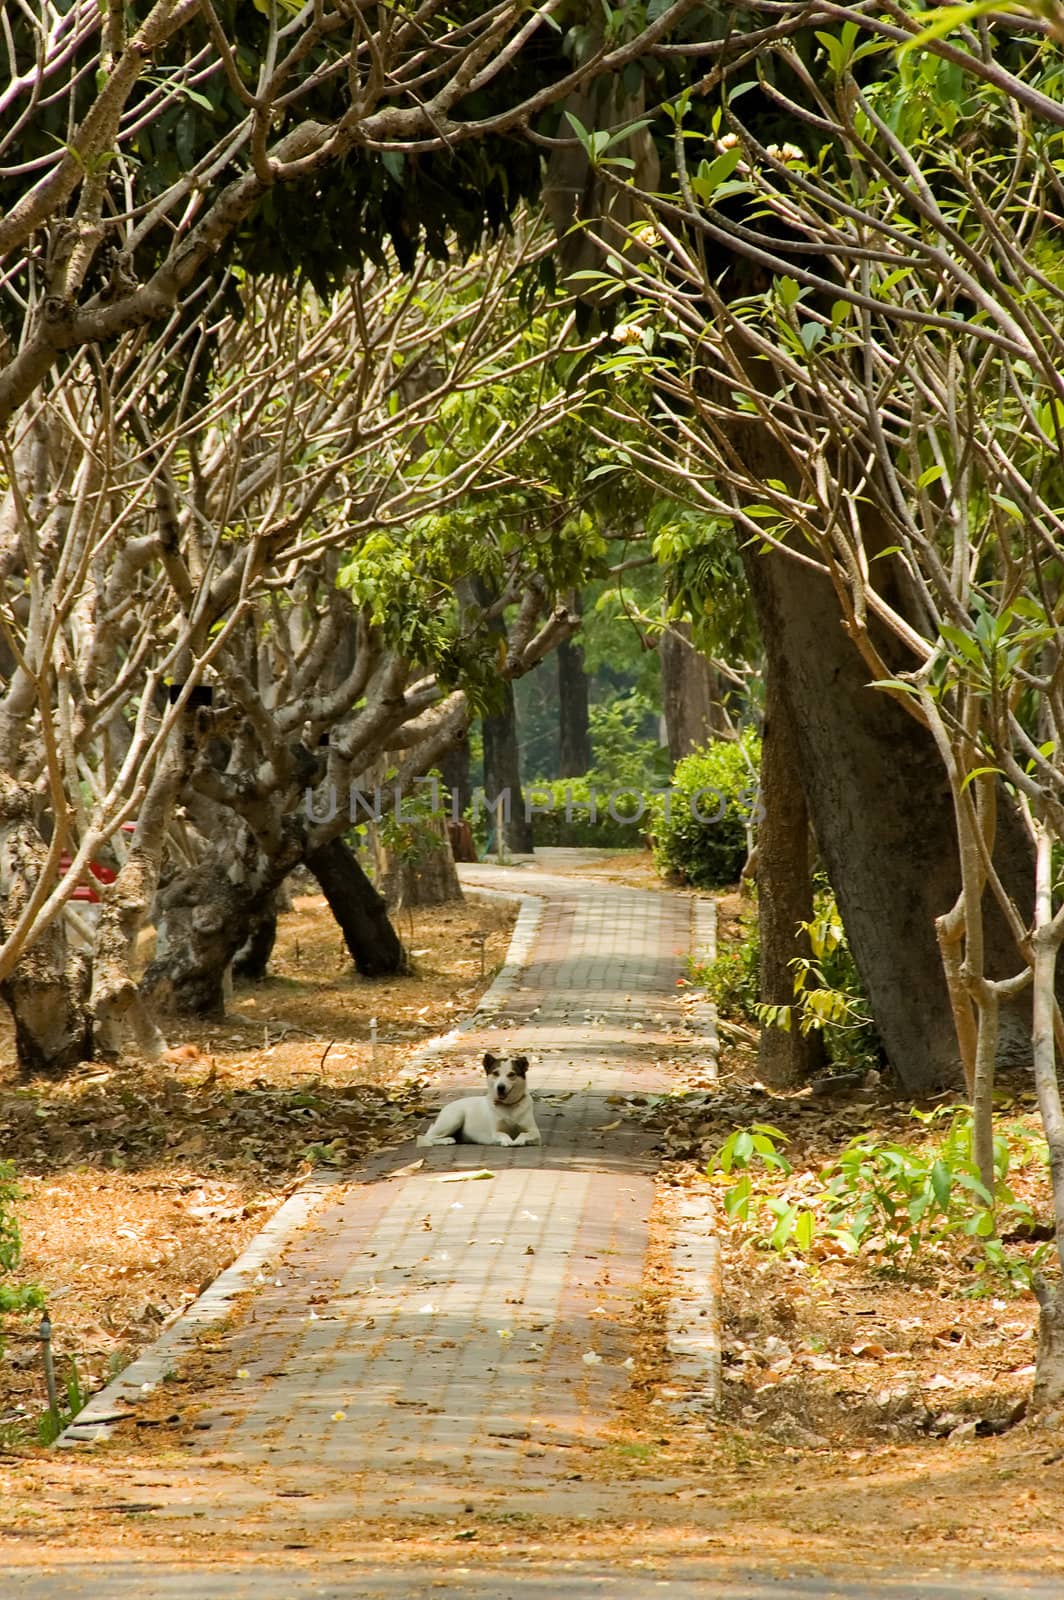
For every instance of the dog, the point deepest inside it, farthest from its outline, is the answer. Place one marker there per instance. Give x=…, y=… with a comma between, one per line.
x=502, y=1115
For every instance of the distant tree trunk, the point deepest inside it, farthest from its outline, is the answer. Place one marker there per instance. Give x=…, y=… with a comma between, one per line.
x=502, y=774
x=429, y=881
x=784, y=891
x=454, y=770
x=252, y=960
x=48, y=991
x=574, y=727
x=1049, y=1366
x=690, y=693
x=361, y=912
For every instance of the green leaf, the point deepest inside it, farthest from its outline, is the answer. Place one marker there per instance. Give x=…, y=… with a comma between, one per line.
x=980, y=772
x=941, y=1184
x=944, y=19
x=711, y=174
x=804, y=1229
x=737, y=1198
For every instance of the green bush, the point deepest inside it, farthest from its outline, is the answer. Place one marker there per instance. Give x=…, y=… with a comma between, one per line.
x=700, y=829
x=552, y=826
x=624, y=754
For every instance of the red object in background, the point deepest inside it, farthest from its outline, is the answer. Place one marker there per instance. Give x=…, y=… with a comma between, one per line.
x=85, y=891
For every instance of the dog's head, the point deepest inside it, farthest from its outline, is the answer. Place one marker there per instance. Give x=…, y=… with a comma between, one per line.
x=506, y=1078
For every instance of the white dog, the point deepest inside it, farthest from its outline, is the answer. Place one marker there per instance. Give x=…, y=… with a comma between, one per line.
x=502, y=1115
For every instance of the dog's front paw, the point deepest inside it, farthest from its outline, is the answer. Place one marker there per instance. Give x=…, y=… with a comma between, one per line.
x=426, y=1141
x=527, y=1138
x=504, y=1138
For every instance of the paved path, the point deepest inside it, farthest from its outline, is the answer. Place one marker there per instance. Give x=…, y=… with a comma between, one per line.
x=459, y=1350
x=424, y=1340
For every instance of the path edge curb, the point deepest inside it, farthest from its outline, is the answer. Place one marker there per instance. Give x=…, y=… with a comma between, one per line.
x=114, y=1401
x=692, y=1327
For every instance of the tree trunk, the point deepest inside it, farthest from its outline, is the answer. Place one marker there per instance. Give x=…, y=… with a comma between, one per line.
x=117, y=1001
x=690, y=693
x=1049, y=1361
x=502, y=776
x=375, y=947
x=574, y=728
x=429, y=880
x=784, y=892
x=202, y=919
x=252, y=960
x=883, y=817
x=48, y=991
x=454, y=770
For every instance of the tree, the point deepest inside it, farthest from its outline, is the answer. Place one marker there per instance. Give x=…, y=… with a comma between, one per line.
x=178, y=510
x=574, y=727
x=878, y=415
x=212, y=134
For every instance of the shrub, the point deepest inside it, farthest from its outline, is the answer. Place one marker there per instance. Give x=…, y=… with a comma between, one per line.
x=700, y=829
x=552, y=826
x=829, y=996
x=733, y=980
x=624, y=755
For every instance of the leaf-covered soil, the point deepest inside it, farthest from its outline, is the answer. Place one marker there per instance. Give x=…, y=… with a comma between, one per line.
x=141, y=1182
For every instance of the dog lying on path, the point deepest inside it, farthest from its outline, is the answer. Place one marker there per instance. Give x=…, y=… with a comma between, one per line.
x=502, y=1115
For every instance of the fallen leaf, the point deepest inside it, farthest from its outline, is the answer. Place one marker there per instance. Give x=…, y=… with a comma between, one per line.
x=465, y=1177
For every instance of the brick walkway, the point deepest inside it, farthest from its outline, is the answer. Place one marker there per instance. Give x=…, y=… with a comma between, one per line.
x=449, y=1321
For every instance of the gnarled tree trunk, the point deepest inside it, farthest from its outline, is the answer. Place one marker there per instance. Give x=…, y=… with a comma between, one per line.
x=253, y=958
x=48, y=991
x=202, y=918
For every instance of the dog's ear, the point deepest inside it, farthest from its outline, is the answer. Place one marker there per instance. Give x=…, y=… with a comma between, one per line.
x=520, y=1065
x=490, y=1061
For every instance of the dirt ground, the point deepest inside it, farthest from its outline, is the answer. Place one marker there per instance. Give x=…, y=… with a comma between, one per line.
x=872, y=1411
